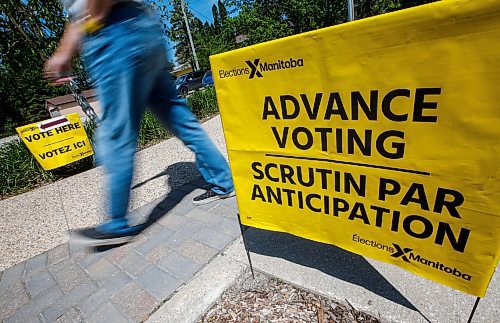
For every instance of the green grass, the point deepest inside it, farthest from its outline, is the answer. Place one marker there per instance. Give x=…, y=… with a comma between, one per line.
x=20, y=172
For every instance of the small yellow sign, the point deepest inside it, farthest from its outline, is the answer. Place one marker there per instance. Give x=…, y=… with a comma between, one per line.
x=380, y=136
x=57, y=142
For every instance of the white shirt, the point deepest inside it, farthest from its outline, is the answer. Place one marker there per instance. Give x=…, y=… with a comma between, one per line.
x=77, y=8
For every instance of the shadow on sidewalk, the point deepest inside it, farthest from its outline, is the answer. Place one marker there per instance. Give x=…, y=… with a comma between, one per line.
x=329, y=259
x=179, y=176
x=182, y=179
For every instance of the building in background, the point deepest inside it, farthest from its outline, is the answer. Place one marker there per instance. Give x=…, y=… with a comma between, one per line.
x=182, y=69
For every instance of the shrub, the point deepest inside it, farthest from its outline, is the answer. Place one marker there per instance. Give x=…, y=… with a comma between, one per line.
x=203, y=102
x=152, y=131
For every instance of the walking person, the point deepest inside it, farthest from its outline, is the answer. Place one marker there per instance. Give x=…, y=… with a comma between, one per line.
x=125, y=56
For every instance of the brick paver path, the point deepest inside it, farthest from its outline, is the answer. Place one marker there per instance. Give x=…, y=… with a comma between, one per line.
x=126, y=283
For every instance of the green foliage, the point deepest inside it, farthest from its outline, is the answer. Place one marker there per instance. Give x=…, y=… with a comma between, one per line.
x=217, y=21
x=30, y=32
x=209, y=43
x=368, y=8
x=257, y=26
x=152, y=131
x=222, y=11
x=203, y=102
x=177, y=31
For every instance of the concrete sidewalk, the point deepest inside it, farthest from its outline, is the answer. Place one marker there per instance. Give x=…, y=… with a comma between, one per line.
x=383, y=290
x=181, y=264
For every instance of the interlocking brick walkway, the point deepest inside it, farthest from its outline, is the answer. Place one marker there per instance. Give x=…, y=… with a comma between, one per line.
x=126, y=283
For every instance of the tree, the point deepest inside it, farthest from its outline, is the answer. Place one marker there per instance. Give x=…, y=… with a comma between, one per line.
x=259, y=20
x=217, y=23
x=412, y=3
x=213, y=38
x=178, y=32
x=160, y=8
x=307, y=15
x=209, y=43
x=30, y=31
x=222, y=12
x=368, y=8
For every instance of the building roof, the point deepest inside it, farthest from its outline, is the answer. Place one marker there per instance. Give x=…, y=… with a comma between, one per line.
x=64, y=99
x=181, y=67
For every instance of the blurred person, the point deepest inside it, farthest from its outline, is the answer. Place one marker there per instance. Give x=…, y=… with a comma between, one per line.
x=125, y=55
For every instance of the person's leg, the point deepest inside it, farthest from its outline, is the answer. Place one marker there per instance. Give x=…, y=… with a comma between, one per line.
x=116, y=141
x=178, y=118
x=121, y=67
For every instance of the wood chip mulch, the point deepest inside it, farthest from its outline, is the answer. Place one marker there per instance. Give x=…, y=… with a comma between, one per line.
x=266, y=299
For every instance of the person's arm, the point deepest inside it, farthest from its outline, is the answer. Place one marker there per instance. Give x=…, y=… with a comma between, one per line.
x=98, y=10
x=60, y=62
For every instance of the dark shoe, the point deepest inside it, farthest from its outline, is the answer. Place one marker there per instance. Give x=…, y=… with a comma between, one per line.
x=92, y=238
x=210, y=196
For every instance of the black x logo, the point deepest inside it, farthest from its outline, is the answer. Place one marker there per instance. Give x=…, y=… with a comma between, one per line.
x=401, y=252
x=253, y=66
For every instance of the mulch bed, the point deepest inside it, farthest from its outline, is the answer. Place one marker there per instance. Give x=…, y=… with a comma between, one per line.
x=267, y=299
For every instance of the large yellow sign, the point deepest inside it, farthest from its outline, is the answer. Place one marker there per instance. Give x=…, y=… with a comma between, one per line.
x=57, y=142
x=380, y=136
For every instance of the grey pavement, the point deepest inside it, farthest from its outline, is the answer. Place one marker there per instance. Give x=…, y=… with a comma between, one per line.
x=126, y=283
x=5, y=140
x=186, y=258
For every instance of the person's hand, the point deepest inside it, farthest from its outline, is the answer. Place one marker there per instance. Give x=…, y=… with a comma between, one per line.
x=57, y=68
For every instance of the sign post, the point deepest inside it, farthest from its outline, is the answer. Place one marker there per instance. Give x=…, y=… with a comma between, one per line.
x=378, y=136
x=243, y=230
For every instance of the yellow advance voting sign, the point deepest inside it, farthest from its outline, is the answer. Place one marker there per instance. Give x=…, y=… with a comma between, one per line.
x=57, y=142
x=380, y=136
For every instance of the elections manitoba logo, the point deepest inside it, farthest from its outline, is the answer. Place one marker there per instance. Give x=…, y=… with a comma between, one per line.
x=406, y=255
x=256, y=68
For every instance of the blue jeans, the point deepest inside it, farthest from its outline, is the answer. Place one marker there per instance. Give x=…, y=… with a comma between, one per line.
x=127, y=61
